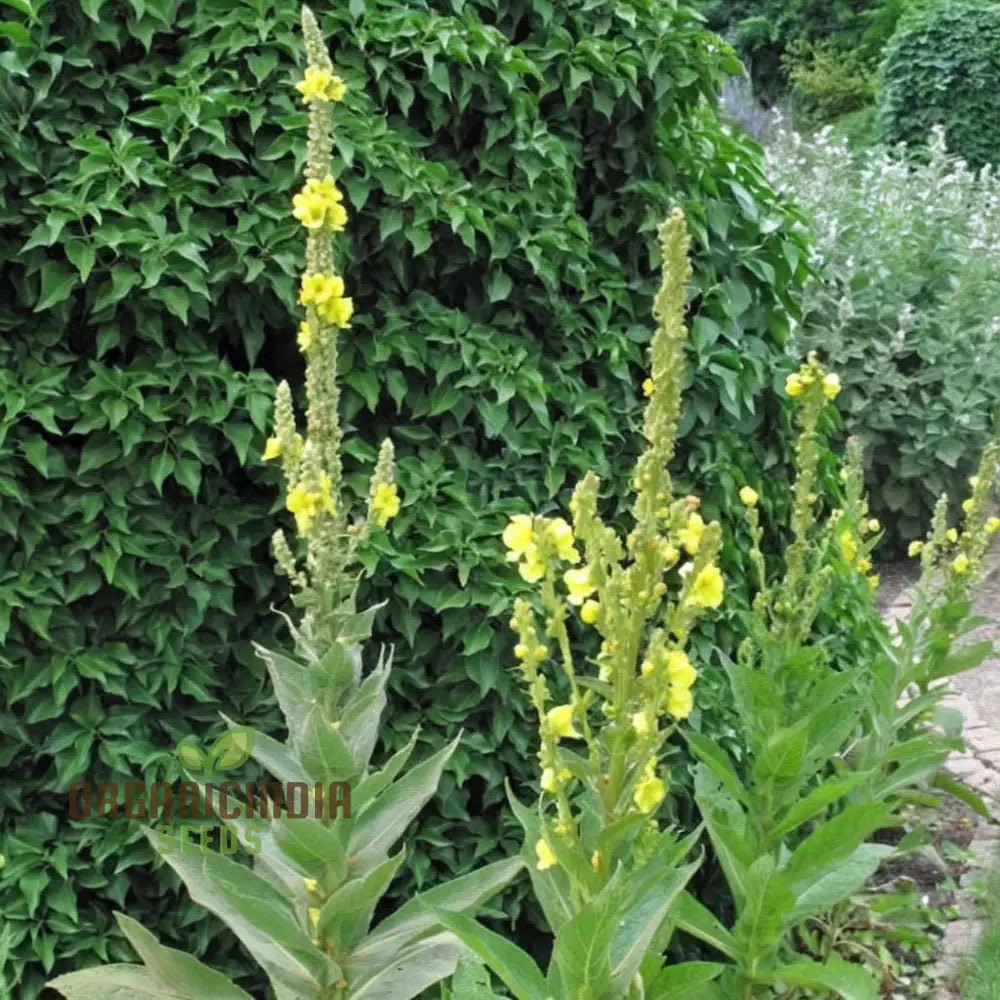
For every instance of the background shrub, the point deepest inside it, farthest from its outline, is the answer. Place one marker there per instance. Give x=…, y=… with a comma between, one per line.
x=941, y=69
x=765, y=32
x=505, y=167
x=905, y=304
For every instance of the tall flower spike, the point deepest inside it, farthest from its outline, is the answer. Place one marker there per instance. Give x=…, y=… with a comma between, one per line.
x=312, y=463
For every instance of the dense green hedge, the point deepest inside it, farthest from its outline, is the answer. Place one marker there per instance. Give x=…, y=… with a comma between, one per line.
x=506, y=165
x=942, y=69
x=766, y=31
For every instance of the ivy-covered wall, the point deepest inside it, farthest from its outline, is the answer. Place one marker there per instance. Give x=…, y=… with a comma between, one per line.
x=505, y=165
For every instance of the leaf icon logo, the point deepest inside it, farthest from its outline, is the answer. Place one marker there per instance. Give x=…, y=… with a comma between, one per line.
x=230, y=751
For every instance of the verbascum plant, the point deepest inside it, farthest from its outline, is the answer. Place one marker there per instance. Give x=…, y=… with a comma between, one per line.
x=605, y=871
x=908, y=734
x=305, y=908
x=784, y=830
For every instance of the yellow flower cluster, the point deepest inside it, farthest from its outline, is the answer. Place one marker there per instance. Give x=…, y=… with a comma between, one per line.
x=798, y=382
x=320, y=84
x=319, y=204
x=305, y=504
x=385, y=503
x=533, y=542
x=680, y=675
x=326, y=293
x=650, y=790
x=708, y=588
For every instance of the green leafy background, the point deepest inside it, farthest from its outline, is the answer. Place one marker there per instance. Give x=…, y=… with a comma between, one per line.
x=506, y=166
x=940, y=69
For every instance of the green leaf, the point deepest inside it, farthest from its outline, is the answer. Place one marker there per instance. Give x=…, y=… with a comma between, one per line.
x=410, y=973
x=851, y=982
x=416, y=916
x=814, y=803
x=382, y=823
x=964, y=794
x=81, y=256
x=132, y=982
x=716, y=759
x=513, y=966
x=695, y=919
x=183, y=972
x=727, y=827
x=58, y=282
x=260, y=916
x=314, y=846
x=636, y=928
x=685, y=981
x=831, y=843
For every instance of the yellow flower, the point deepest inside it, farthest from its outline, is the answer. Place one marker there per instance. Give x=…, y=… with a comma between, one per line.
x=560, y=720
x=519, y=537
x=960, y=564
x=690, y=536
x=873, y=524
x=648, y=387
x=967, y=505
x=831, y=385
x=546, y=859
x=531, y=570
x=337, y=310
x=302, y=504
x=314, y=915
x=320, y=85
x=589, y=612
x=649, y=793
x=993, y=525
x=579, y=585
x=952, y=535
x=549, y=782
x=520, y=651
x=973, y=481
x=310, y=884
x=310, y=209
x=915, y=548
x=670, y=554
x=325, y=497
x=561, y=536
x=872, y=581
x=305, y=336
x=318, y=204
x=749, y=496
x=794, y=384
x=680, y=702
x=864, y=565
x=272, y=449
x=647, y=668
x=640, y=723
x=680, y=673
x=385, y=503
x=595, y=861
x=708, y=587
x=541, y=652
x=318, y=289
x=848, y=546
